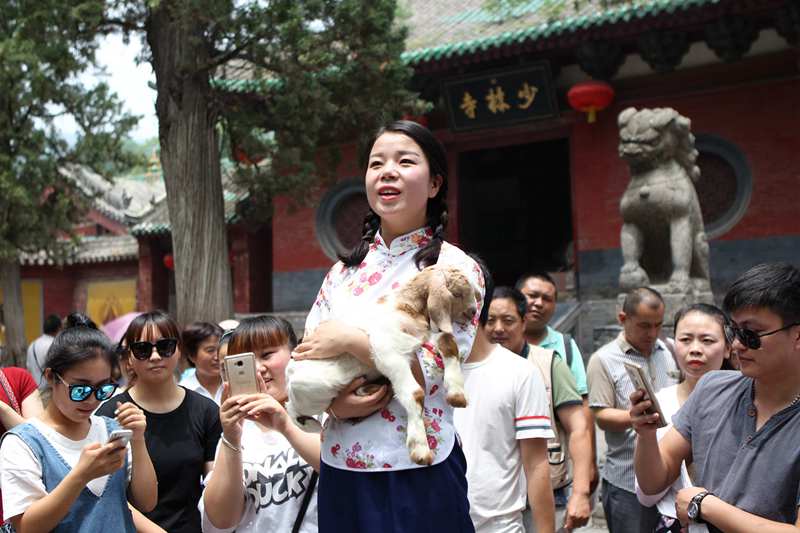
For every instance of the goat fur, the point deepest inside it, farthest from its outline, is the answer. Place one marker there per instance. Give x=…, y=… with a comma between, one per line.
x=397, y=326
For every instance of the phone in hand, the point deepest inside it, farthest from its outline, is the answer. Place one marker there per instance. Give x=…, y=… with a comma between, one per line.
x=640, y=380
x=239, y=371
x=122, y=435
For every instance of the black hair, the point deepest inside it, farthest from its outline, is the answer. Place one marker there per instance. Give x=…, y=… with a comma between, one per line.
x=514, y=295
x=77, y=318
x=80, y=341
x=51, y=325
x=195, y=334
x=711, y=311
x=536, y=274
x=161, y=321
x=774, y=286
x=647, y=295
x=260, y=332
x=436, y=211
x=488, y=284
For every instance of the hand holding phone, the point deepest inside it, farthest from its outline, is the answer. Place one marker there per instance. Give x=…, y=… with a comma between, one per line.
x=122, y=435
x=642, y=381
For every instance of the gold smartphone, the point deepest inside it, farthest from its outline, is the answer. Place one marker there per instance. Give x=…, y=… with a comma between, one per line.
x=239, y=371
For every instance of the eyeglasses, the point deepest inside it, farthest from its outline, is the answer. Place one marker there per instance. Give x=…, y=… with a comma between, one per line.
x=78, y=393
x=751, y=339
x=143, y=349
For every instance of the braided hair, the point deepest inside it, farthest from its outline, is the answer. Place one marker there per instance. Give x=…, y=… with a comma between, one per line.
x=436, y=210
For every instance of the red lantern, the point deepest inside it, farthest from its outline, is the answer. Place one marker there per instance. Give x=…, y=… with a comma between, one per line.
x=590, y=97
x=169, y=262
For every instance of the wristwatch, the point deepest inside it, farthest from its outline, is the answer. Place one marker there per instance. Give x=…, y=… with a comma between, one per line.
x=694, y=507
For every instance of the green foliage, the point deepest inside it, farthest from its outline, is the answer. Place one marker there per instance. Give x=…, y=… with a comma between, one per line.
x=334, y=75
x=45, y=45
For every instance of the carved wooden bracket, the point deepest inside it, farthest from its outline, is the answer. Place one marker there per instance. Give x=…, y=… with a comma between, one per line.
x=731, y=37
x=787, y=22
x=600, y=59
x=663, y=51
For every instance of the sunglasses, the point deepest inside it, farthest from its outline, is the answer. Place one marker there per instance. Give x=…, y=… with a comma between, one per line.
x=78, y=393
x=751, y=339
x=143, y=350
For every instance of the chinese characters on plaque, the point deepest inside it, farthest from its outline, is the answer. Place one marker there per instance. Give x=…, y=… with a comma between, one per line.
x=501, y=98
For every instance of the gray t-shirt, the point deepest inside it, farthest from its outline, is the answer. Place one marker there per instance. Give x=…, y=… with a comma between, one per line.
x=756, y=471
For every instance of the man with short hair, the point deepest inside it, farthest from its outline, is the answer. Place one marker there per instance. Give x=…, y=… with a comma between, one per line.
x=740, y=430
x=541, y=294
x=37, y=351
x=610, y=388
x=505, y=326
x=505, y=394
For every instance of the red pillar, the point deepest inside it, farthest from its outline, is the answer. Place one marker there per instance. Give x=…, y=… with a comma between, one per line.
x=152, y=287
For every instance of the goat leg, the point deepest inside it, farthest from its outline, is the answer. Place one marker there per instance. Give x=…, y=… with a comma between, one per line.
x=408, y=392
x=453, y=378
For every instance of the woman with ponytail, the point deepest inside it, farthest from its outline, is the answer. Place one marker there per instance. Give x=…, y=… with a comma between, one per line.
x=367, y=481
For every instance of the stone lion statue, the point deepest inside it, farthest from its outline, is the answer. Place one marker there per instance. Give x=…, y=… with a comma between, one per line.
x=663, y=238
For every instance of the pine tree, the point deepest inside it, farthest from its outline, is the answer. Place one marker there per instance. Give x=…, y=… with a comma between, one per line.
x=45, y=45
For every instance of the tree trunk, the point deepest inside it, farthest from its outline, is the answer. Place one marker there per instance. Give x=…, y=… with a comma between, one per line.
x=191, y=163
x=13, y=317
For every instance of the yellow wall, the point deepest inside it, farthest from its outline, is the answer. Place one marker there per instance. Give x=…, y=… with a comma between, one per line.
x=106, y=300
x=31, y=308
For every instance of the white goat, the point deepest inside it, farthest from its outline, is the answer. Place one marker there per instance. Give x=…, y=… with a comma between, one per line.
x=397, y=326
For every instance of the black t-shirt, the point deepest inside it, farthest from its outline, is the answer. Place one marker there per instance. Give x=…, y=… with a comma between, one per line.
x=180, y=443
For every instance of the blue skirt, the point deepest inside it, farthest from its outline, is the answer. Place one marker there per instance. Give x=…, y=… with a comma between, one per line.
x=421, y=500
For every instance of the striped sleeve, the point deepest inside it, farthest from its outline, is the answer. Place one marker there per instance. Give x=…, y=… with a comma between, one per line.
x=532, y=412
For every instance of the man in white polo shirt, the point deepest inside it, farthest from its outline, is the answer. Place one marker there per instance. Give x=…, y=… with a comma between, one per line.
x=504, y=431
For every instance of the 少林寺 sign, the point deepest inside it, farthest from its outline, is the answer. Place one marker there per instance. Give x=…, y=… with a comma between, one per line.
x=500, y=98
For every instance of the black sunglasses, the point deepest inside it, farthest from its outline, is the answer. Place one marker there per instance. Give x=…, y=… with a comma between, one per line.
x=78, y=393
x=751, y=339
x=143, y=349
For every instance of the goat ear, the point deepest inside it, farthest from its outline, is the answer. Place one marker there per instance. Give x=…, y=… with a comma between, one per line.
x=440, y=302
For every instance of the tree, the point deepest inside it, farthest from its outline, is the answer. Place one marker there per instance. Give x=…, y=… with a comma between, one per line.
x=45, y=45
x=326, y=71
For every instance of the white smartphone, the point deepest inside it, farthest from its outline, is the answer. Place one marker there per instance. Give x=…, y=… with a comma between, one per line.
x=239, y=371
x=123, y=435
x=640, y=380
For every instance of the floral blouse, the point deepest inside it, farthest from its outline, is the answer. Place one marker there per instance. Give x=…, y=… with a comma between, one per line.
x=378, y=442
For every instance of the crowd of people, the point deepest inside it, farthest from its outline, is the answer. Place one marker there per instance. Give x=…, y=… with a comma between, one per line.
x=520, y=457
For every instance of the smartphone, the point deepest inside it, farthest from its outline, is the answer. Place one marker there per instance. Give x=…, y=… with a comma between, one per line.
x=239, y=371
x=123, y=435
x=640, y=380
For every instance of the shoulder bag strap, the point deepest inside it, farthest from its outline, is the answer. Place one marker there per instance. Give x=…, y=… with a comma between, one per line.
x=568, y=349
x=7, y=388
x=312, y=483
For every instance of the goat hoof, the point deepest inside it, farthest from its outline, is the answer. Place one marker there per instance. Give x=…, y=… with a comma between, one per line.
x=309, y=424
x=422, y=457
x=457, y=399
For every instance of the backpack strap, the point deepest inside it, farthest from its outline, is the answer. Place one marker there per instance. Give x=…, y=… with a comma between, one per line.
x=568, y=348
x=9, y=392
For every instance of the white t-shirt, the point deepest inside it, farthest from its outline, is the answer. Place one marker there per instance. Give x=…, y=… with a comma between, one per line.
x=276, y=479
x=665, y=501
x=190, y=381
x=506, y=402
x=21, y=472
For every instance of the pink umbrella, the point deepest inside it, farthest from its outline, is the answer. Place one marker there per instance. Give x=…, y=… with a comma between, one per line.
x=116, y=328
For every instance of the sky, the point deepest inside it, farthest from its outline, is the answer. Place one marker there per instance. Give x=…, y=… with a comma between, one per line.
x=130, y=82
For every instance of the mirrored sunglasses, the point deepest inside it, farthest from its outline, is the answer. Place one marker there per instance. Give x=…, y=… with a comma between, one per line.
x=78, y=393
x=752, y=340
x=143, y=349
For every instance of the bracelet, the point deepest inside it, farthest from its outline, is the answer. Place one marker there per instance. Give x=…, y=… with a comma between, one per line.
x=227, y=443
x=333, y=415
